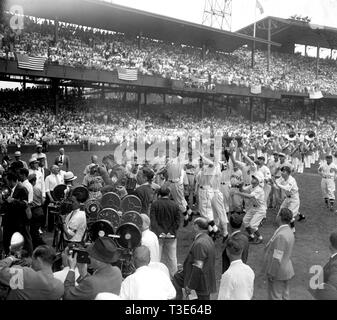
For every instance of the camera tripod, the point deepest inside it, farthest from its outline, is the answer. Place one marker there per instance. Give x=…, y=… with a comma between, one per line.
x=58, y=240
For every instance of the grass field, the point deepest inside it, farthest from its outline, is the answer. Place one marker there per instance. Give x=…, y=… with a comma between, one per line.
x=312, y=235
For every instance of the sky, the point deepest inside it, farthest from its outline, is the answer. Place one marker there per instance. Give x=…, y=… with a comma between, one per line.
x=243, y=13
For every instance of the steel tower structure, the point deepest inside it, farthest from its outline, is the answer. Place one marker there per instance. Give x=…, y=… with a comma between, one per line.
x=218, y=14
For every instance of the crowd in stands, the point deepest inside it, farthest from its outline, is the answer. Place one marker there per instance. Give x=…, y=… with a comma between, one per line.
x=28, y=116
x=84, y=47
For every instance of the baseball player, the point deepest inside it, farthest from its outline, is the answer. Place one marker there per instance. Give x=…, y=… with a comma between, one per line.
x=225, y=184
x=211, y=205
x=255, y=207
x=273, y=166
x=175, y=182
x=328, y=172
x=288, y=185
x=262, y=168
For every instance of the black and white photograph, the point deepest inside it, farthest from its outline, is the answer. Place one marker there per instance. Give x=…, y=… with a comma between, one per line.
x=181, y=151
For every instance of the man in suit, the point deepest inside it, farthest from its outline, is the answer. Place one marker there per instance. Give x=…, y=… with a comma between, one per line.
x=165, y=220
x=16, y=216
x=63, y=158
x=199, y=266
x=106, y=278
x=235, y=222
x=327, y=290
x=32, y=283
x=277, y=264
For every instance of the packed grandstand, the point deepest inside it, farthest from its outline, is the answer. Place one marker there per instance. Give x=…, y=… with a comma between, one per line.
x=282, y=132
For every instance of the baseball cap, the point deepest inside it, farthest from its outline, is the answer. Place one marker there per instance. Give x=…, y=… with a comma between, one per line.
x=17, y=154
x=258, y=176
x=286, y=168
x=38, y=146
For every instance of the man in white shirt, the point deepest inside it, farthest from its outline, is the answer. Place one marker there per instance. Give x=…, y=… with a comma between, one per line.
x=146, y=283
x=75, y=223
x=53, y=180
x=34, y=169
x=150, y=239
x=328, y=172
x=23, y=178
x=237, y=283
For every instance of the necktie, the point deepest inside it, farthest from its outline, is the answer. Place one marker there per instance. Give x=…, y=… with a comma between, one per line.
x=57, y=179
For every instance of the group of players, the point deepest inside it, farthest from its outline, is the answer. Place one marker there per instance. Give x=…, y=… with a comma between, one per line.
x=244, y=180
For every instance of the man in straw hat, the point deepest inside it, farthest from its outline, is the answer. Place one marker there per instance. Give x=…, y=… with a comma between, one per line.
x=39, y=154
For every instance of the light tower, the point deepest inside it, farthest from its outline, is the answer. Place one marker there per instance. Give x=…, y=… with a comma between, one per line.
x=218, y=14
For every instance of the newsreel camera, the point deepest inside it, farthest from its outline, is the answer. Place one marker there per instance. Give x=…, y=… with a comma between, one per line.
x=113, y=217
x=120, y=220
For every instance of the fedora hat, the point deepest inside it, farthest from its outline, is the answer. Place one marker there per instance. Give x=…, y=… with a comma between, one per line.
x=104, y=250
x=69, y=176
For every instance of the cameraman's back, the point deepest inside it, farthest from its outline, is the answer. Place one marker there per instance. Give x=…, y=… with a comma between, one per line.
x=32, y=283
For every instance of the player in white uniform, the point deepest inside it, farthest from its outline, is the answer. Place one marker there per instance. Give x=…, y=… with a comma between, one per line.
x=273, y=166
x=225, y=184
x=255, y=207
x=211, y=203
x=175, y=182
x=328, y=172
x=241, y=176
x=288, y=185
x=262, y=168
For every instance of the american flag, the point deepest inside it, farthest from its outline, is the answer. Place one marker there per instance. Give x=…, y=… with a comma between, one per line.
x=31, y=63
x=127, y=74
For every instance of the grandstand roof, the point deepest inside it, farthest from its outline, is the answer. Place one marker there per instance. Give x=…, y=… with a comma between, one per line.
x=108, y=16
x=287, y=31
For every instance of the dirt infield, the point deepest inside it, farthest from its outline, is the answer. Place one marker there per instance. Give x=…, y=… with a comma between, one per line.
x=312, y=235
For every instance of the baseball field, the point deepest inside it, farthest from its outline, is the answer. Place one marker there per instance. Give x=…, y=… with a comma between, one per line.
x=312, y=235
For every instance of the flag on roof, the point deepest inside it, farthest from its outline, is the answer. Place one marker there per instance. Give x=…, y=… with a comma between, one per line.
x=259, y=6
x=31, y=63
x=127, y=74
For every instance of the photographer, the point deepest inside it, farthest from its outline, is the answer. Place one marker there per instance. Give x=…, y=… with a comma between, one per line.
x=32, y=283
x=16, y=216
x=37, y=212
x=105, y=278
x=75, y=223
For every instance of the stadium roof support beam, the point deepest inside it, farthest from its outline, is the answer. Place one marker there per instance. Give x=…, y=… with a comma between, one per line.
x=139, y=105
x=317, y=60
x=269, y=46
